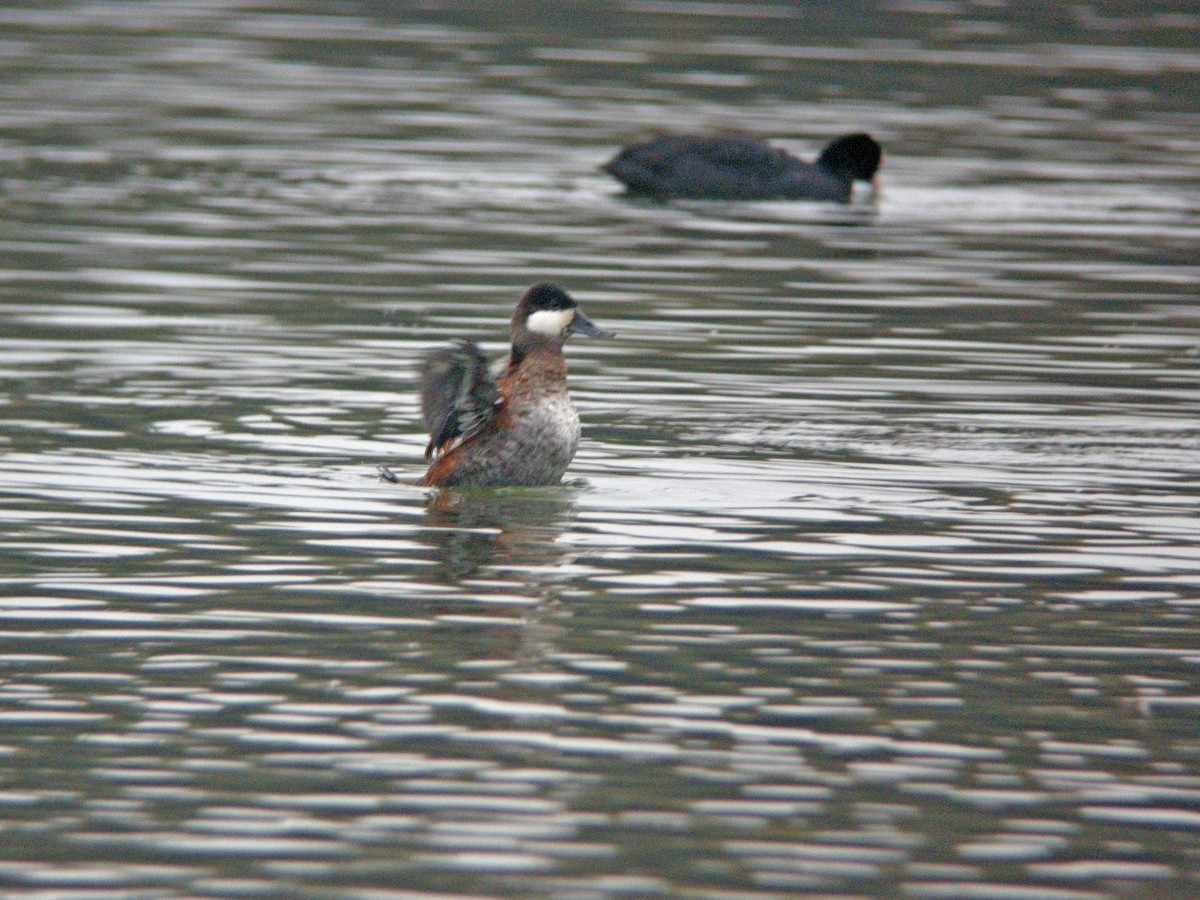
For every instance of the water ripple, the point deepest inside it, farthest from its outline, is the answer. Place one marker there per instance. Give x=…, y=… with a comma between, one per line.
x=875, y=573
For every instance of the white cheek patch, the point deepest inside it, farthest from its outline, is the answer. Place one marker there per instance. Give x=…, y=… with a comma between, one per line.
x=552, y=322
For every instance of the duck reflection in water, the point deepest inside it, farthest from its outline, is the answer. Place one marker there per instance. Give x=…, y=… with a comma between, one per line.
x=500, y=556
x=501, y=534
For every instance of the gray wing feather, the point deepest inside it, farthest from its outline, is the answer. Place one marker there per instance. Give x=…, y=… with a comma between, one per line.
x=458, y=396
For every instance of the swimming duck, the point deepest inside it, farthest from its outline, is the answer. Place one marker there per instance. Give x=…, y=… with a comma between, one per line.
x=518, y=427
x=734, y=167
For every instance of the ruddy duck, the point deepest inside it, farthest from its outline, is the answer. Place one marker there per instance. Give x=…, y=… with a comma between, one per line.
x=732, y=167
x=519, y=427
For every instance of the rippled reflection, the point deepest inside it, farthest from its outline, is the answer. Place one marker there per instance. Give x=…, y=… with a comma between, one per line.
x=876, y=571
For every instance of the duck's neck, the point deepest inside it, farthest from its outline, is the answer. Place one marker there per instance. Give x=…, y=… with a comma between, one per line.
x=532, y=343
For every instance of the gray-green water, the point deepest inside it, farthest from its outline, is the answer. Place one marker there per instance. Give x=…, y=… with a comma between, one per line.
x=877, y=574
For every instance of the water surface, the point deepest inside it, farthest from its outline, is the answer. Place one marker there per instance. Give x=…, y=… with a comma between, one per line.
x=877, y=572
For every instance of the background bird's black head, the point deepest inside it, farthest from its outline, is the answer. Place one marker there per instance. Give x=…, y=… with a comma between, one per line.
x=855, y=156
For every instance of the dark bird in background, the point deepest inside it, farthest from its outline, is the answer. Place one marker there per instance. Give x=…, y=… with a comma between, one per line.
x=734, y=167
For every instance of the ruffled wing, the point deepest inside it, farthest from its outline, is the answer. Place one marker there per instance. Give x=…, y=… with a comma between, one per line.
x=458, y=396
